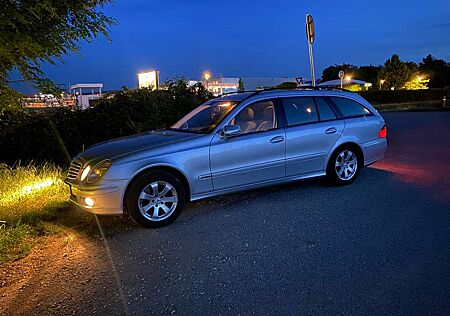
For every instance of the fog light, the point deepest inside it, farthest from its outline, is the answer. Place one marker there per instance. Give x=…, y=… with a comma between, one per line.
x=89, y=201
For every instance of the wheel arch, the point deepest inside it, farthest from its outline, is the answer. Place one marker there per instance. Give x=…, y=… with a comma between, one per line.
x=163, y=167
x=357, y=148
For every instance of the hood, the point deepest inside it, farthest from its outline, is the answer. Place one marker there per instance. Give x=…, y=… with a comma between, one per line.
x=126, y=145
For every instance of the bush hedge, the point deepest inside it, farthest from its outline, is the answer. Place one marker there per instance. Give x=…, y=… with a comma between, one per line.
x=55, y=136
x=60, y=134
x=403, y=96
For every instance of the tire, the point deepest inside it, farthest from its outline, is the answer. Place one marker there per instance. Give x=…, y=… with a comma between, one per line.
x=344, y=165
x=155, y=199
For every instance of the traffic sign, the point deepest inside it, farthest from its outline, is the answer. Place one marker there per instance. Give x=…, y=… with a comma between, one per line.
x=310, y=30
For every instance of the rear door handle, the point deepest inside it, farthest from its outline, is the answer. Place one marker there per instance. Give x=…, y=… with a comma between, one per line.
x=331, y=130
x=277, y=139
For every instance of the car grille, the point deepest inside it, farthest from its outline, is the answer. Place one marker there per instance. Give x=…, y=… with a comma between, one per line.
x=74, y=169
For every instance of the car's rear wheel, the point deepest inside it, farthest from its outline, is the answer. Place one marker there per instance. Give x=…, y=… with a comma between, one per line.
x=155, y=199
x=343, y=166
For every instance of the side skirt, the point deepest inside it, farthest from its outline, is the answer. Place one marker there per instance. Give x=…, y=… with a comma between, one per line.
x=256, y=185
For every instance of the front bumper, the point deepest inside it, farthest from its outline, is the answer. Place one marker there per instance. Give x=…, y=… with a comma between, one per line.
x=107, y=197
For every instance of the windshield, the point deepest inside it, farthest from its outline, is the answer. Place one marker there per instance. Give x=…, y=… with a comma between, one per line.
x=204, y=118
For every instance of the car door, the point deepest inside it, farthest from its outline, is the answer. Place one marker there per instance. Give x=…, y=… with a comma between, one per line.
x=312, y=128
x=254, y=156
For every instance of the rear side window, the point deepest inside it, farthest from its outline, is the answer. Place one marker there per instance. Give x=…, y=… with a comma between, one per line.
x=300, y=110
x=350, y=108
x=325, y=111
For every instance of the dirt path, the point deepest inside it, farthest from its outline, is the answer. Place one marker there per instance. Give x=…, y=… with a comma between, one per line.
x=61, y=277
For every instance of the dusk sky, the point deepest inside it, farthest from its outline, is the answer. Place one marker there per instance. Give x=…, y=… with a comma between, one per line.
x=254, y=38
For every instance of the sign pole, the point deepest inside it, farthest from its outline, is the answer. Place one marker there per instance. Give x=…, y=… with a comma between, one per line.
x=341, y=76
x=311, y=63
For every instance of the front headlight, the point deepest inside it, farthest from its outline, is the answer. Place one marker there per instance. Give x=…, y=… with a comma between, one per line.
x=92, y=175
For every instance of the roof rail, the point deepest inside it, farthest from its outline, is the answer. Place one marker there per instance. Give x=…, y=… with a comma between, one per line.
x=255, y=92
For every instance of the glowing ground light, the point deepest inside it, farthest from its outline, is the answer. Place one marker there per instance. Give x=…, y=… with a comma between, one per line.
x=89, y=201
x=37, y=186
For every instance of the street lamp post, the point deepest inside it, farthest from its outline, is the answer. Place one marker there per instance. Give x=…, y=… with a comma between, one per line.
x=206, y=75
x=381, y=83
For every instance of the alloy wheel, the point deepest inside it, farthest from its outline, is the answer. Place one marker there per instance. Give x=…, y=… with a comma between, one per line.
x=158, y=200
x=346, y=164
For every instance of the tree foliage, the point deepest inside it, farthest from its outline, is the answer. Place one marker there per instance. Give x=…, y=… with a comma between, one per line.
x=241, y=85
x=437, y=70
x=287, y=85
x=395, y=73
x=365, y=73
x=33, y=32
x=63, y=132
x=332, y=72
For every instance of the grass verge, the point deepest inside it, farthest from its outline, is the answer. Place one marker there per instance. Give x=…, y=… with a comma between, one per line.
x=33, y=204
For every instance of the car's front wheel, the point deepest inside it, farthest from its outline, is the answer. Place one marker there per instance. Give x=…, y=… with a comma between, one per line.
x=155, y=199
x=343, y=166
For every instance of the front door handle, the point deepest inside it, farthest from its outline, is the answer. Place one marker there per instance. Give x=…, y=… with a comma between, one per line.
x=331, y=130
x=277, y=139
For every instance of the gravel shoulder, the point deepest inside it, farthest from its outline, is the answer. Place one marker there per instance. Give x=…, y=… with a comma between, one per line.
x=62, y=277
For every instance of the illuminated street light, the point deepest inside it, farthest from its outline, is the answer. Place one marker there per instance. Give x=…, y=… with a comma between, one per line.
x=206, y=75
x=382, y=81
x=348, y=78
x=419, y=78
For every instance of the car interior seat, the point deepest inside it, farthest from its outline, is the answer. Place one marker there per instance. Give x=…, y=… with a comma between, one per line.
x=268, y=119
x=246, y=120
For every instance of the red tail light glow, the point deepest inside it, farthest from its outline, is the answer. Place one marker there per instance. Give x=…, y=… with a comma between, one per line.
x=383, y=132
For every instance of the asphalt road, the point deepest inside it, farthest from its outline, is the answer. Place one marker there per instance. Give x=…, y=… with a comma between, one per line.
x=379, y=246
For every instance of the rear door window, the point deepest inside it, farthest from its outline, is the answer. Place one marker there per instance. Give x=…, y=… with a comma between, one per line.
x=300, y=110
x=350, y=108
x=325, y=111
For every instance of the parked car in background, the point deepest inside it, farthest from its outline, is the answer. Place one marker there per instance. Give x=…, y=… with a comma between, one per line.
x=231, y=143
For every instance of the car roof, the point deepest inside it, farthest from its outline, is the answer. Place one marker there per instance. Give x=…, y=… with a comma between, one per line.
x=240, y=96
x=250, y=96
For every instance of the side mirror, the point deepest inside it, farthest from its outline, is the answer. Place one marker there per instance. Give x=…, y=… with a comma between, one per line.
x=231, y=130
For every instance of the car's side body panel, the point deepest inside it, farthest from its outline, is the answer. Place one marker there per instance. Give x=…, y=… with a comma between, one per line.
x=307, y=146
x=214, y=165
x=246, y=159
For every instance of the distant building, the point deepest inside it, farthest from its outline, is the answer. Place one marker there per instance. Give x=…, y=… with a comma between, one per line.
x=271, y=82
x=350, y=84
x=221, y=85
x=84, y=92
x=42, y=101
x=264, y=83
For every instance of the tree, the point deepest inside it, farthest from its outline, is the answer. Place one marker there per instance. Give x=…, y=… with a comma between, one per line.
x=332, y=72
x=287, y=85
x=37, y=32
x=395, y=73
x=369, y=74
x=437, y=70
x=241, y=85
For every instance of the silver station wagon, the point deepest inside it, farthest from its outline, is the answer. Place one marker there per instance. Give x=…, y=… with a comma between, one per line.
x=231, y=143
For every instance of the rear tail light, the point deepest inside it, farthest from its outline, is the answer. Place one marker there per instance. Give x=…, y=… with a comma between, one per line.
x=383, y=132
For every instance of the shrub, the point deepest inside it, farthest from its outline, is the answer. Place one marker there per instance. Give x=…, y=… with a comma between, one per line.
x=58, y=135
x=403, y=96
x=27, y=138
